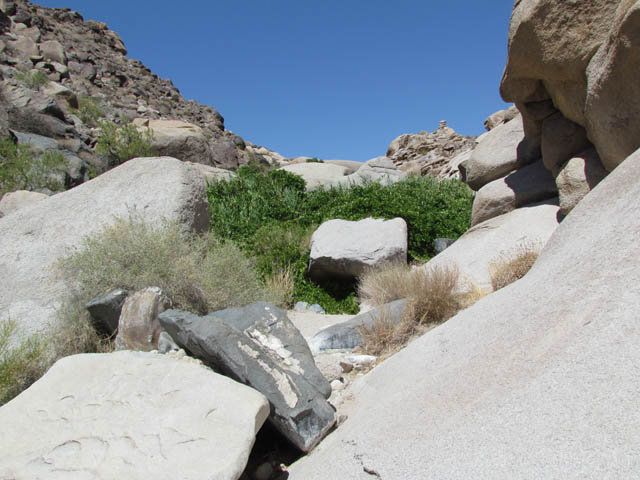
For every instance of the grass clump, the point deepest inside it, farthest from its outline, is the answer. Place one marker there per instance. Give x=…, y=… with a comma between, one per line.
x=20, y=169
x=124, y=142
x=89, y=110
x=514, y=265
x=432, y=297
x=271, y=216
x=33, y=79
x=22, y=360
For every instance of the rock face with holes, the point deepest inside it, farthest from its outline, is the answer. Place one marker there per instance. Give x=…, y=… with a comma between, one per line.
x=257, y=345
x=130, y=415
x=344, y=249
x=34, y=238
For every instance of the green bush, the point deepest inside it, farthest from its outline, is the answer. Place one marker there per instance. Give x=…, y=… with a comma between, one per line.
x=122, y=143
x=33, y=79
x=20, y=169
x=199, y=274
x=88, y=110
x=314, y=160
x=272, y=217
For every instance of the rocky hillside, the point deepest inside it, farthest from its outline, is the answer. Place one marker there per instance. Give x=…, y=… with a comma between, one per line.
x=88, y=78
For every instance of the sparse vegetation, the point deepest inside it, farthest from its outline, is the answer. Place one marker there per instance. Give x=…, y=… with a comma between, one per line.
x=89, y=110
x=20, y=169
x=514, y=265
x=314, y=160
x=124, y=142
x=271, y=216
x=33, y=79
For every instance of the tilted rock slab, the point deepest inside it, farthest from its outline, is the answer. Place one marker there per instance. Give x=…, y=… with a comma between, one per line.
x=34, y=238
x=538, y=380
x=259, y=346
x=138, y=326
x=130, y=415
x=345, y=249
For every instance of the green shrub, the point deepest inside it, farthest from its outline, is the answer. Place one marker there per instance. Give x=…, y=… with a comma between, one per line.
x=122, y=143
x=33, y=79
x=22, y=360
x=199, y=274
x=314, y=160
x=89, y=110
x=269, y=216
x=20, y=169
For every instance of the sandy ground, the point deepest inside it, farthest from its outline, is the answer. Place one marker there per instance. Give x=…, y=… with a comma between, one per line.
x=310, y=323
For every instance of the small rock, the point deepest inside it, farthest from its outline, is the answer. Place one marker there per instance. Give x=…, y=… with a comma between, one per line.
x=301, y=307
x=316, y=308
x=263, y=472
x=360, y=362
x=337, y=385
x=166, y=343
x=441, y=244
x=346, y=366
x=105, y=310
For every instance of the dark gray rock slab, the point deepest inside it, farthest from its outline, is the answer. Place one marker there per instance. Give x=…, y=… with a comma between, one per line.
x=259, y=347
x=347, y=335
x=105, y=310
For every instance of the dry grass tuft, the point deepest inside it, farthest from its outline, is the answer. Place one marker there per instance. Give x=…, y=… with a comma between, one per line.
x=431, y=295
x=514, y=265
x=281, y=284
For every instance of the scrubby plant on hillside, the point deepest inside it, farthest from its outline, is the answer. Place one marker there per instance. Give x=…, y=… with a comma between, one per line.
x=120, y=143
x=514, y=265
x=33, y=79
x=21, y=169
x=272, y=216
x=89, y=110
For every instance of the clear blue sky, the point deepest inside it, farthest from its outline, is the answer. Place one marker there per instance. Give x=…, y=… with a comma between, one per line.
x=332, y=79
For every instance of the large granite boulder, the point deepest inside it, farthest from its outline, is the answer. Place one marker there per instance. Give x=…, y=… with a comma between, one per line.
x=348, y=334
x=174, y=138
x=537, y=380
x=501, y=151
x=33, y=239
x=474, y=252
x=130, y=415
x=14, y=201
x=318, y=174
x=578, y=58
x=258, y=346
x=532, y=183
x=578, y=177
x=379, y=169
x=342, y=249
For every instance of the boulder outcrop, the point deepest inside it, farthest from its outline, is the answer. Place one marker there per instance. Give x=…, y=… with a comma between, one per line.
x=130, y=415
x=33, y=239
x=537, y=379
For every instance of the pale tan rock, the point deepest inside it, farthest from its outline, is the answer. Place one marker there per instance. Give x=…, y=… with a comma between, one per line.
x=54, y=51
x=561, y=140
x=210, y=173
x=317, y=174
x=63, y=96
x=130, y=415
x=14, y=201
x=530, y=184
x=577, y=178
x=138, y=327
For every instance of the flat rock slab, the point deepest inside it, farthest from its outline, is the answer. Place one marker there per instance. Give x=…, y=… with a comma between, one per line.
x=318, y=175
x=34, y=238
x=130, y=415
x=258, y=346
x=342, y=249
x=538, y=380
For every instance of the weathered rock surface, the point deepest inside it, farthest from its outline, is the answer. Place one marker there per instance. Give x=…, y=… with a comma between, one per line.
x=577, y=178
x=210, y=173
x=340, y=248
x=347, y=335
x=258, y=346
x=379, y=169
x=473, y=253
x=105, y=310
x=502, y=150
x=579, y=58
x=138, y=326
x=530, y=184
x=429, y=153
x=14, y=201
x=130, y=415
x=33, y=239
x=500, y=117
x=524, y=383
x=317, y=174
x=351, y=165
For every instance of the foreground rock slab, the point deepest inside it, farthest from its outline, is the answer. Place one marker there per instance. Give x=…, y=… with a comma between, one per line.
x=258, y=346
x=538, y=380
x=130, y=415
x=32, y=239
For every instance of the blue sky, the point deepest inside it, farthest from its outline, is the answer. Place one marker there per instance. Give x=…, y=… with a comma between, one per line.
x=332, y=79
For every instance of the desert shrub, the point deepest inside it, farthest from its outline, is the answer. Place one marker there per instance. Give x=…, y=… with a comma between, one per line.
x=33, y=79
x=89, y=110
x=124, y=142
x=20, y=169
x=314, y=160
x=22, y=360
x=199, y=274
x=514, y=265
x=271, y=216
